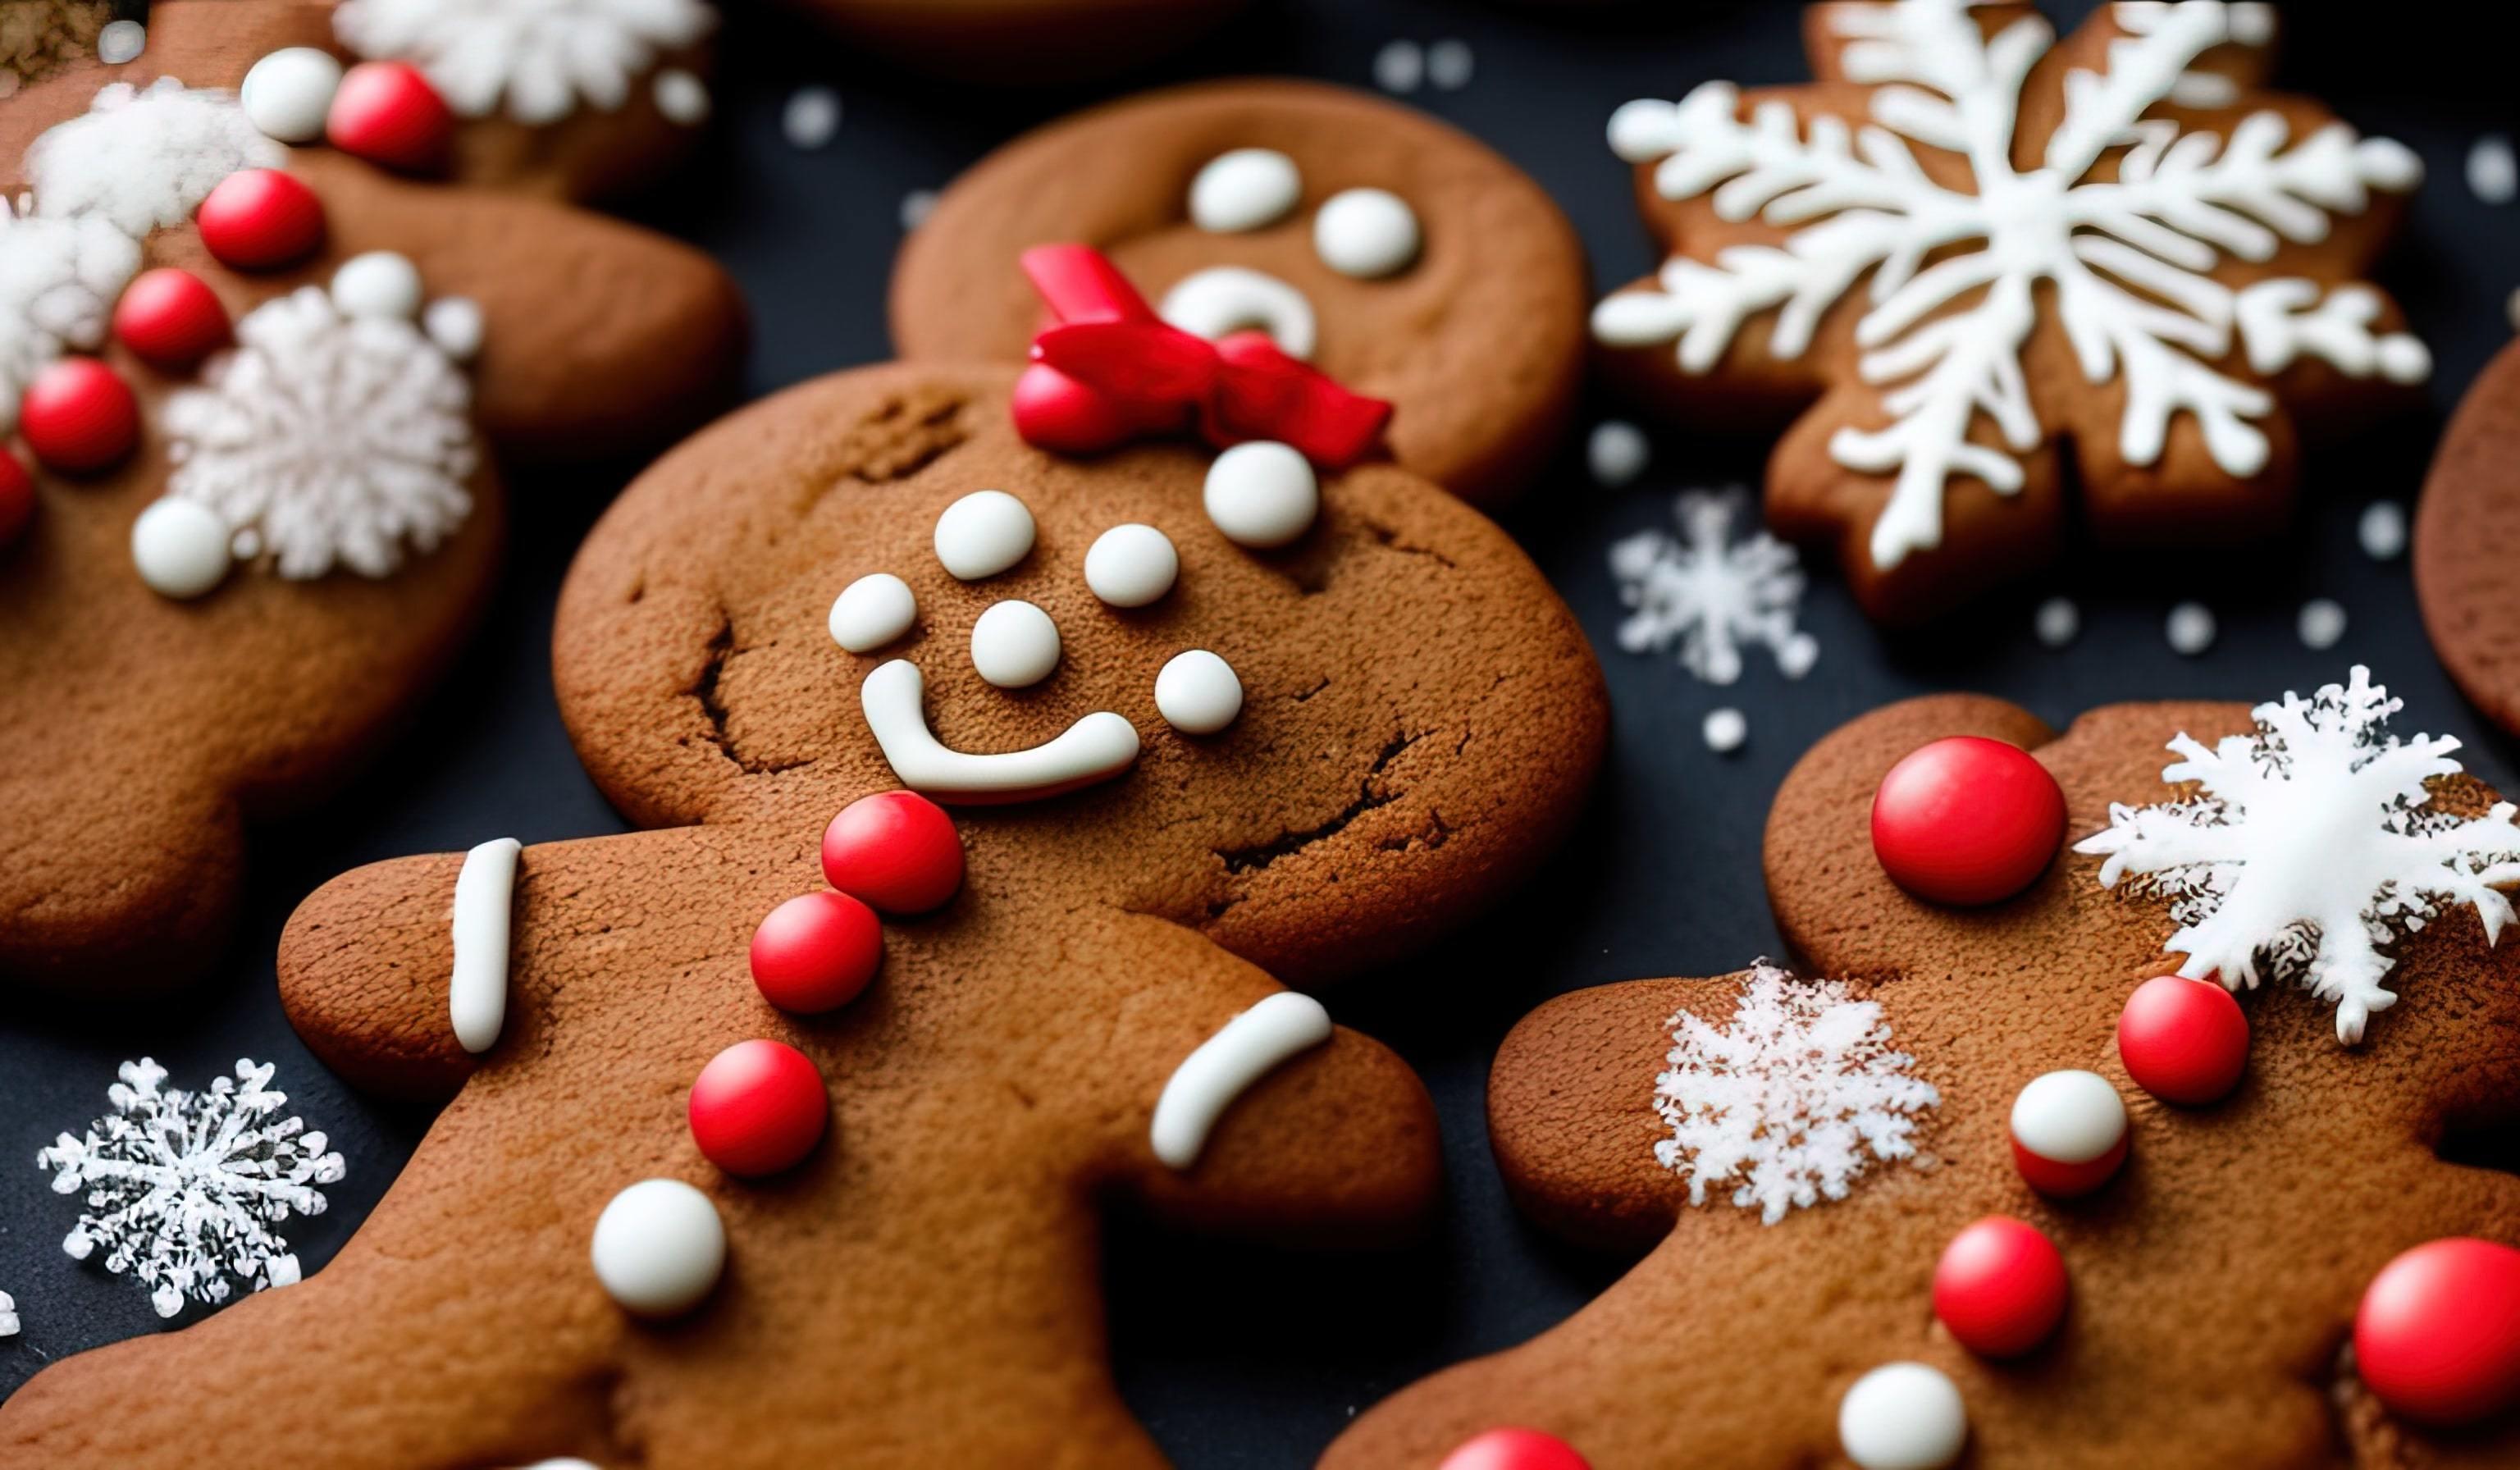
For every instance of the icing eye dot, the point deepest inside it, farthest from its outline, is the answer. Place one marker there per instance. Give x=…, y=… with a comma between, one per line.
x=1131, y=565
x=983, y=534
x=1366, y=233
x=872, y=612
x=1197, y=693
x=180, y=548
x=1245, y=189
x=378, y=283
x=1262, y=494
x=1014, y=645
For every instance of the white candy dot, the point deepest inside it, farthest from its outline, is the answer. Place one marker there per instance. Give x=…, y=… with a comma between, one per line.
x=1903, y=1416
x=2058, y=622
x=683, y=97
x=378, y=283
x=811, y=117
x=1366, y=233
x=983, y=534
x=1014, y=645
x=1131, y=565
x=872, y=612
x=916, y=207
x=180, y=548
x=1262, y=494
x=288, y=93
x=1617, y=453
x=1245, y=189
x=121, y=41
x=1725, y=729
x=2322, y=623
x=1449, y=63
x=2404, y=359
x=1399, y=66
x=1796, y=655
x=2069, y=1117
x=2382, y=530
x=455, y=324
x=2493, y=171
x=658, y=1248
x=1197, y=693
x=2190, y=628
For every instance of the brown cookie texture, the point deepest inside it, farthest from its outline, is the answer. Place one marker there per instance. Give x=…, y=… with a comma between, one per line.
x=2465, y=544
x=1478, y=342
x=1420, y=717
x=189, y=719
x=2214, y=1280
x=1020, y=43
x=1949, y=411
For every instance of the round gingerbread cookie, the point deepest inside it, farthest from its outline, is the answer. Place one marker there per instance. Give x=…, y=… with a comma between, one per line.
x=1025, y=43
x=2467, y=541
x=1406, y=260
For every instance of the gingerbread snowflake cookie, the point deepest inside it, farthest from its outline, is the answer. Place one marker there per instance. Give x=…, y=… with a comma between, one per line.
x=996, y=795
x=1996, y=265
x=1401, y=259
x=2049, y=1155
x=263, y=333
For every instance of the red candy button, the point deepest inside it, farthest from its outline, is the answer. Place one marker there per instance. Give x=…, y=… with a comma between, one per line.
x=2069, y=1133
x=2184, y=1040
x=17, y=499
x=78, y=415
x=1967, y=820
x=816, y=953
x=387, y=114
x=2000, y=1287
x=897, y=850
x=1054, y=412
x=169, y=318
x=260, y=219
x=759, y=1108
x=1514, y=1450
x=2438, y=1334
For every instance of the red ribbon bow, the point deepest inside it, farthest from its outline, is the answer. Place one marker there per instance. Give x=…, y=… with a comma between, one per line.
x=1112, y=371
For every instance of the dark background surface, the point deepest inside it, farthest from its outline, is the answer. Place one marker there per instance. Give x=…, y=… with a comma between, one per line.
x=1239, y=1357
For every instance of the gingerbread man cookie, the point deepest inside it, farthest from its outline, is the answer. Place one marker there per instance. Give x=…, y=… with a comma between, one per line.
x=2004, y=271
x=1143, y=738
x=1404, y=259
x=264, y=331
x=2004, y=1173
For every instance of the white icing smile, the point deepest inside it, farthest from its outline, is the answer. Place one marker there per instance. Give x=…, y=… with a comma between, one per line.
x=1228, y=298
x=1095, y=749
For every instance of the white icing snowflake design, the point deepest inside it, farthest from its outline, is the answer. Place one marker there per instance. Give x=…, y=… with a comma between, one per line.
x=1792, y=1101
x=182, y=1188
x=1711, y=595
x=2308, y=845
x=144, y=160
x=59, y=279
x=543, y=55
x=2127, y=257
x=9, y=1323
x=325, y=439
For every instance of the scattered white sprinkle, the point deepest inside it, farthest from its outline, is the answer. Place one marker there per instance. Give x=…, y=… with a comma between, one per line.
x=1449, y=65
x=2323, y=622
x=2058, y=622
x=915, y=208
x=683, y=97
x=121, y=41
x=1725, y=729
x=2493, y=172
x=2190, y=628
x=8, y=1324
x=2383, y=531
x=1618, y=452
x=1399, y=66
x=810, y=118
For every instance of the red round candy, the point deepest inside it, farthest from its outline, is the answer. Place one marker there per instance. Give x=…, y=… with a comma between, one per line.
x=17, y=499
x=79, y=415
x=260, y=219
x=388, y=113
x=1967, y=820
x=816, y=953
x=2000, y=1287
x=1515, y=1449
x=759, y=1108
x=2059, y=1181
x=169, y=318
x=2438, y=1334
x=1054, y=412
x=897, y=850
x=2184, y=1040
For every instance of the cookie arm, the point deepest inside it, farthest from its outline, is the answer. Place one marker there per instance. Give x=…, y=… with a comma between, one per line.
x=366, y=965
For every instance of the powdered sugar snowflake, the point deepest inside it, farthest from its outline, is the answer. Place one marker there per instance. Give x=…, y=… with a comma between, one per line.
x=542, y=55
x=183, y=1187
x=1792, y=1100
x=144, y=160
x=2127, y=255
x=1711, y=595
x=326, y=438
x=2309, y=844
x=59, y=279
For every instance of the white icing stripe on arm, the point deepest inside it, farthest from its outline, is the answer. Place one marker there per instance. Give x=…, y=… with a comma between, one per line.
x=477, y=991
x=1243, y=1050
x=1097, y=748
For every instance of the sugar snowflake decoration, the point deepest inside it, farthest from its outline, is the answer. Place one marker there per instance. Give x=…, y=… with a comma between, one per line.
x=1711, y=595
x=543, y=55
x=145, y=158
x=2308, y=845
x=325, y=439
x=2126, y=251
x=1792, y=1101
x=10, y=1326
x=59, y=279
x=182, y=1188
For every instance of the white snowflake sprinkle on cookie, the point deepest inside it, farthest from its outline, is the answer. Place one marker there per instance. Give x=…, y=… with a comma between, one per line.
x=143, y=158
x=2310, y=844
x=1711, y=595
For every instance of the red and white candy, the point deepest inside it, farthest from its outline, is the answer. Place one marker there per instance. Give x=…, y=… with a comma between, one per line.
x=2001, y=1287
x=1514, y=1450
x=895, y=850
x=2069, y=1133
x=388, y=113
x=169, y=319
x=260, y=219
x=2437, y=1337
x=2184, y=1040
x=817, y=952
x=1967, y=820
x=759, y=1108
x=79, y=415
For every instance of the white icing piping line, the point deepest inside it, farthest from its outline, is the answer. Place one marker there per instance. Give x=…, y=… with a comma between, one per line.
x=477, y=991
x=1097, y=748
x=1243, y=1050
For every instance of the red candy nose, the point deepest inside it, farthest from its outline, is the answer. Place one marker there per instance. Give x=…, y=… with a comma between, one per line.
x=1967, y=820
